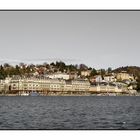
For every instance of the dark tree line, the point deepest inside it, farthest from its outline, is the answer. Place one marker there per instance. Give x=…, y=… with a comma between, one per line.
x=27, y=70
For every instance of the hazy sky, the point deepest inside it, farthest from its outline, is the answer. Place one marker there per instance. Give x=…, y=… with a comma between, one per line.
x=100, y=39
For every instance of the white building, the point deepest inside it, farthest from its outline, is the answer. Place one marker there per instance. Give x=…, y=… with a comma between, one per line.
x=7, y=80
x=109, y=78
x=80, y=85
x=98, y=78
x=59, y=76
x=2, y=85
x=45, y=84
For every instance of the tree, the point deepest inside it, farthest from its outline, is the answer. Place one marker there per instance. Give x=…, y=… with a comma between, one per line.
x=138, y=82
x=83, y=67
x=71, y=67
x=93, y=72
x=102, y=72
x=90, y=68
x=17, y=70
x=21, y=64
x=52, y=64
x=109, y=70
x=2, y=73
x=6, y=65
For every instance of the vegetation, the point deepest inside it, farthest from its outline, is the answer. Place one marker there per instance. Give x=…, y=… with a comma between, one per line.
x=131, y=70
x=93, y=72
x=29, y=70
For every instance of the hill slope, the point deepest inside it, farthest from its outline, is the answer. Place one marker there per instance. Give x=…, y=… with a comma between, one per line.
x=131, y=70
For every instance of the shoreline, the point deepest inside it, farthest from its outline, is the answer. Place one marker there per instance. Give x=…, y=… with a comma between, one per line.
x=85, y=94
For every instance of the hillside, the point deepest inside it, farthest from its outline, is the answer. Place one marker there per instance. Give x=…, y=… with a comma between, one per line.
x=131, y=70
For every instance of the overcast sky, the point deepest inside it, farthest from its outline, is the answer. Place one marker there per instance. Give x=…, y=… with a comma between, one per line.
x=99, y=39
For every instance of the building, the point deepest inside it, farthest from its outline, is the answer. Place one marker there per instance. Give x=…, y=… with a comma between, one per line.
x=109, y=78
x=96, y=79
x=36, y=84
x=73, y=75
x=46, y=85
x=124, y=76
x=2, y=86
x=105, y=89
x=85, y=73
x=56, y=85
x=68, y=86
x=58, y=76
x=80, y=85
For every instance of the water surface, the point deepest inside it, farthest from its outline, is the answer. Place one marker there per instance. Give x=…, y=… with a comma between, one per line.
x=79, y=112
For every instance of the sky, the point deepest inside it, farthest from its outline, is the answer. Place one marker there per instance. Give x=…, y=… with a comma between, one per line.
x=99, y=39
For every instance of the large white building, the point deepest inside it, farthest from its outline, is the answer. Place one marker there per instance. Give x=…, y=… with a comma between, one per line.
x=80, y=85
x=45, y=84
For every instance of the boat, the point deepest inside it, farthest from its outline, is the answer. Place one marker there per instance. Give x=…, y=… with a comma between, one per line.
x=34, y=94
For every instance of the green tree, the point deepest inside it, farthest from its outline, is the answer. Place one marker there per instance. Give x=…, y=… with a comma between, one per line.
x=2, y=73
x=93, y=72
x=52, y=64
x=6, y=65
x=17, y=70
x=138, y=82
x=102, y=72
x=109, y=70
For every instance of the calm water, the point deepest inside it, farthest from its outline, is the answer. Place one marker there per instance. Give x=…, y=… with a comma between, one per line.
x=70, y=112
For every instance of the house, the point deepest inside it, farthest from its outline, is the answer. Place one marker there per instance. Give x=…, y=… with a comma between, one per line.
x=73, y=75
x=85, y=73
x=124, y=76
x=109, y=78
x=96, y=79
x=58, y=76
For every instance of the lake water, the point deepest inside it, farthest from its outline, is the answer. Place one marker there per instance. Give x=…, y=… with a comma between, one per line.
x=72, y=112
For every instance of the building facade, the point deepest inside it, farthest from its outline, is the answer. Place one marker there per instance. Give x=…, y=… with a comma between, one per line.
x=124, y=76
x=46, y=85
x=85, y=73
x=59, y=76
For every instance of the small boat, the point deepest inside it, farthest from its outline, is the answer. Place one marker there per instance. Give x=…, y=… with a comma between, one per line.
x=34, y=94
